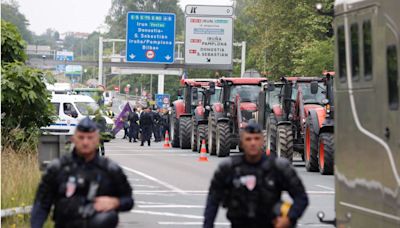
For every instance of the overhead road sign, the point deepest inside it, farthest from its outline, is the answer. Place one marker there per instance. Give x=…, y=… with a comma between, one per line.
x=150, y=37
x=162, y=101
x=209, y=36
x=73, y=70
x=64, y=56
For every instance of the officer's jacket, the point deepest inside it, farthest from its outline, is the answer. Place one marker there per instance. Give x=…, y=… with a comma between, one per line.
x=66, y=185
x=146, y=120
x=251, y=191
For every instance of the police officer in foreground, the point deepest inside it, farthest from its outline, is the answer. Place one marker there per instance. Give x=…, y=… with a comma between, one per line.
x=87, y=190
x=146, y=125
x=250, y=187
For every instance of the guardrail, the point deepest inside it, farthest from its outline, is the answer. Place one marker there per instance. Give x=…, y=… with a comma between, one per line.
x=15, y=211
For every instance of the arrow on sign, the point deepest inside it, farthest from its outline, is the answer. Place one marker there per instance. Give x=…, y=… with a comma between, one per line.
x=132, y=56
x=167, y=57
x=208, y=60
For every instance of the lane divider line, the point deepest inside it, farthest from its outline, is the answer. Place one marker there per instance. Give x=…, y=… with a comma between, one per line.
x=169, y=186
x=167, y=214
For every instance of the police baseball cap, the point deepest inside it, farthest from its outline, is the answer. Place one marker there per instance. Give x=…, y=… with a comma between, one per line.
x=253, y=128
x=86, y=125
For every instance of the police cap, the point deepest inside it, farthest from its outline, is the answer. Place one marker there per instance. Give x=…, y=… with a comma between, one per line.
x=253, y=128
x=86, y=125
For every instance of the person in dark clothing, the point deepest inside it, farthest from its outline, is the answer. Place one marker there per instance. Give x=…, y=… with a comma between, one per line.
x=146, y=125
x=133, y=125
x=87, y=190
x=126, y=127
x=157, y=126
x=165, y=123
x=102, y=126
x=250, y=187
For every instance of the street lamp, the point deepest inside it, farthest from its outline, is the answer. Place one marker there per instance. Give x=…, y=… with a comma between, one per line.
x=318, y=6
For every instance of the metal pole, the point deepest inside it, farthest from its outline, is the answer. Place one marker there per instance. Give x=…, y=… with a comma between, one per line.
x=243, y=59
x=160, y=88
x=113, y=49
x=151, y=84
x=100, y=60
x=119, y=83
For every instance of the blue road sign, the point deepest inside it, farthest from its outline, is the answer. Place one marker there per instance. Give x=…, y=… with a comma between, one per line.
x=150, y=37
x=64, y=56
x=162, y=100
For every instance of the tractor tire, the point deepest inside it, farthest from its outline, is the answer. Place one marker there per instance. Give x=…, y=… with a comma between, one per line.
x=223, y=139
x=195, y=145
x=310, y=146
x=202, y=130
x=185, y=132
x=212, y=133
x=271, y=134
x=284, y=142
x=326, y=153
x=175, y=132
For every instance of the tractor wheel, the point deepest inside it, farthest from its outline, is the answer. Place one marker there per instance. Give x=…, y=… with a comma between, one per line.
x=325, y=153
x=223, y=139
x=195, y=132
x=185, y=130
x=271, y=134
x=174, y=126
x=202, y=130
x=310, y=146
x=284, y=142
x=212, y=132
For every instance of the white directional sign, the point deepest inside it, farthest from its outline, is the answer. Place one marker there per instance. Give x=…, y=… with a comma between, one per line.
x=208, y=39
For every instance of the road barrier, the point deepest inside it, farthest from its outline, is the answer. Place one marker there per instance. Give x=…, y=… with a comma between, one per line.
x=15, y=211
x=52, y=147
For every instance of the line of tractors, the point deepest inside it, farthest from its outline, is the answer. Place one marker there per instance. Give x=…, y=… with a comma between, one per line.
x=296, y=114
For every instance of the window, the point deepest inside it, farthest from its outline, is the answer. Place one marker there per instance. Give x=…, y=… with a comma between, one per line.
x=56, y=107
x=392, y=74
x=342, y=53
x=68, y=109
x=355, y=62
x=367, y=46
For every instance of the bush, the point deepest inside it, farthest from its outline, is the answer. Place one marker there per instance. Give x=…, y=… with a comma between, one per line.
x=12, y=44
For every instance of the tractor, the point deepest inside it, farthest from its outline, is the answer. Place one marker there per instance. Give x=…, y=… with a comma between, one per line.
x=181, y=123
x=319, y=129
x=298, y=96
x=208, y=94
x=237, y=105
x=268, y=99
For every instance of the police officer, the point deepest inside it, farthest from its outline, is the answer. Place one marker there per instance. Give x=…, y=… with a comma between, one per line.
x=133, y=125
x=146, y=125
x=157, y=126
x=250, y=187
x=87, y=190
x=101, y=124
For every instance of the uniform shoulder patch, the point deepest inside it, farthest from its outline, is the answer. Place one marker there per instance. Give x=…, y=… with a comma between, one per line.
x=282, y=163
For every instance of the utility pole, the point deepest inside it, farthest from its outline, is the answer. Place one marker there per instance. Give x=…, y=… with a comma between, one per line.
x=100, y=60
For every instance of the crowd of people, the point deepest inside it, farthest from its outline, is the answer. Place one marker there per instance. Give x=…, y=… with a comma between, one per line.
x=143, y=124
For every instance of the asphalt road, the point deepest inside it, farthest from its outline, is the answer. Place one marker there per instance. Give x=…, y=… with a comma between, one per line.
x=170, y=186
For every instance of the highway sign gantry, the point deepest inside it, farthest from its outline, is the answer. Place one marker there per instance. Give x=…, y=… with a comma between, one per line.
x=150, y=37
x=209, y=35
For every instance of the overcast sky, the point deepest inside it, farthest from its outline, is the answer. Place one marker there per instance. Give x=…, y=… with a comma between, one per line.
x=78, y=15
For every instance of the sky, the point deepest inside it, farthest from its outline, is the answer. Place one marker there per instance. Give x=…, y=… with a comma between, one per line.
x=78, y=15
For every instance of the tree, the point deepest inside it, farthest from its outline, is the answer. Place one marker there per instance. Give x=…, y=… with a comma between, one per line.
x=10, y=12
x=12, y=44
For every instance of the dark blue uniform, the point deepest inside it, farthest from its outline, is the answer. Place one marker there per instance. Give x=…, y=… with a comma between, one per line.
x=157, y=126
x=146, y=125
x=133, y=126
x=71, y=184
x=251, y=191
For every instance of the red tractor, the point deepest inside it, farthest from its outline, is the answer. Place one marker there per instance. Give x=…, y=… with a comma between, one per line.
x=299, y=96
x=208, y=94
x=236, y=106
x=319, y=129
x=181, y=122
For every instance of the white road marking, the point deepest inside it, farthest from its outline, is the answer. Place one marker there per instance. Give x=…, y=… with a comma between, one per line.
x=314, y=225
x=156, y=155
x=169, y=186
x=192, y=223
x=167, y=214
x=145, y=186
x=146, y=202
x=171, y=206
x=325, y=187
x=119, y=107
x=320, y=192
x=190, y=192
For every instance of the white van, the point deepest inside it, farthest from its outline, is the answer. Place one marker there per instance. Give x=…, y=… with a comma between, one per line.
x=70, y=109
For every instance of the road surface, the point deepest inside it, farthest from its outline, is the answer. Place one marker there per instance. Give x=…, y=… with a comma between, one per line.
x=170, y=186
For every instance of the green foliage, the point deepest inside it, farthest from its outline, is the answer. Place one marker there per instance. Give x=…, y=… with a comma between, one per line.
x=10, y=12
x=24, y=98
x=316, y=57
x=116, y=19
x=12, y=44
x=277, y=32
